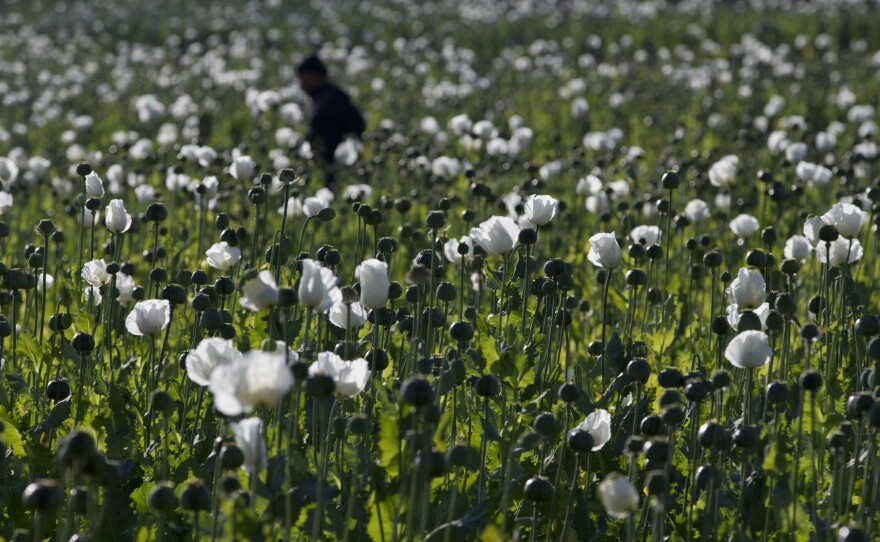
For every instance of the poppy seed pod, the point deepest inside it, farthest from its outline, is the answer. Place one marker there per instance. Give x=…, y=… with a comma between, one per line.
x=545, y=424
x=42, y=496
x=83, y=169
x=446, y=291
x=326, y=214
x=696, y=391
x=811, y=380
x=651, y=426
x=488, y=386
x=837, y=442
x=174, y=294
x=634, y=445
x=670, y=378
x=231, y=457
x=721, y=379
x=657, y=483
x=528, y=236
x=569, y=392
x=868, y=326
x=636, y=251
x=670, y=180
x=45, y=227
x=162, y=403
x=636, y=277
x=195, y=497
x=710, y=435
x=417, y=392
x=707, y=475
x=673, y=415
x=638, y=370
x=58, y=390
x=790, y=267
x=83, y=343
x=669, y=397
x=460, y=455
x=858, y=405
x=828, y=233
x=435, y=220
x=320, y=385
x=538, y=489
x=810, y=332
x=15, y=279
x=76, y=448
x=746, y=437
x=580, y=441
x=657, y=451
x=156, y=212
x=162, y=498
x=461, y=331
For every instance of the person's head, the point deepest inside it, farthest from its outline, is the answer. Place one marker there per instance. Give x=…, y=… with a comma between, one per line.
x=312, y=73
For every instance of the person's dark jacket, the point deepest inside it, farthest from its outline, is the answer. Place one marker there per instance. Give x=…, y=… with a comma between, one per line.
x=332, y=117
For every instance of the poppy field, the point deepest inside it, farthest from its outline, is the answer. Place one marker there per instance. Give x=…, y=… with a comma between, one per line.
x=595, y=271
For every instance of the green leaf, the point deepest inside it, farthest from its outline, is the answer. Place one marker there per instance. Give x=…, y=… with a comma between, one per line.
x=56, y=416
x=11, y=436
x=27, y=346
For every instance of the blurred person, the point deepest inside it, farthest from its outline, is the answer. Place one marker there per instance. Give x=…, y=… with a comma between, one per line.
x=332, y=116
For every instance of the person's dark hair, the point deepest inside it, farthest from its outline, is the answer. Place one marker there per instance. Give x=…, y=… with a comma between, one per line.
x=311, y=64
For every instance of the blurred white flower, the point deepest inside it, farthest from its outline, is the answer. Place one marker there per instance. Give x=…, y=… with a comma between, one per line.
x=588, y=185
x=696, y=210
x=748, y=289
x=148, y=317
x=843, y=251
x=446, y=167
x=209, y=354
x=647, y=235
x=350, y=377
x=223, y=257
x=598, y=203
x=604, y=251
x=6, y=202
x=812, y=174
x=619, y=497
x=734, y=314
x=497, y=235
x=125, y=285
x=249, y=438
x=316, y=284
x=797, y=247
x=484, y=129
x=92, y=294
x=796, y=152
x=50, y=280
x=450, y=249
x=541, y=209
x=242, y=167
x=94, y=186
x=847, y=218
x=347, y=316
x=357, y=192
x=258, y=291
x=460, y=125
x=117, y=218
x=598, y=425
x=744, y=226
x=346, y=152
x=8, y=170
x=373, y=277
x=723, y=172
x=258, y=378
x=812, y=225
x=95, y=273
x=749, y=350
